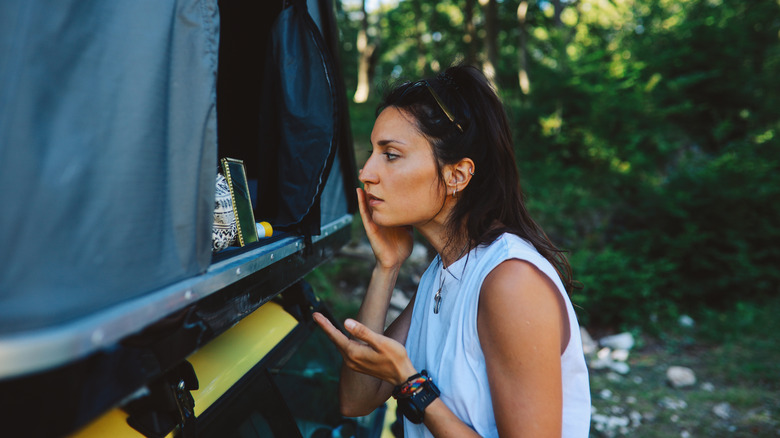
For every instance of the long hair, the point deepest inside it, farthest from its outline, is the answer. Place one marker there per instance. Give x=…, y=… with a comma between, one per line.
x=476, y=127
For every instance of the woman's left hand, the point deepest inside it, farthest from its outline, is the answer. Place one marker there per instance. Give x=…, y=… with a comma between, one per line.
x=377, y=355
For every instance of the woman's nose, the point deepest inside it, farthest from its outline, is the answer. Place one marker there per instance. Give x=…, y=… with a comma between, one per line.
x=366, y=175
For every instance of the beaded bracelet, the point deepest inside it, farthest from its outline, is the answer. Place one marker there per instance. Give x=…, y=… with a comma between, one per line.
x=411, y=386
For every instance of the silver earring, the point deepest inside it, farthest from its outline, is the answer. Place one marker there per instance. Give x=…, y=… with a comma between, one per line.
x=454, y=192
x=471, y=172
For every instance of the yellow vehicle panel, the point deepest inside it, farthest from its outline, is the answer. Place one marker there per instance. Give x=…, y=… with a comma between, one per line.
x=218, y=365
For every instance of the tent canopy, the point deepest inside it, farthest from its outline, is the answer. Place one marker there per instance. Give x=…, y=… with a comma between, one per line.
x=109, y=144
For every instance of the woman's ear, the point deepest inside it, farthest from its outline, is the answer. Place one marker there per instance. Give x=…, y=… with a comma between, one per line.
x=459, y=174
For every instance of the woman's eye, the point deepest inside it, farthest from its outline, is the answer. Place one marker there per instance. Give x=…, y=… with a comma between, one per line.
x=391, y=156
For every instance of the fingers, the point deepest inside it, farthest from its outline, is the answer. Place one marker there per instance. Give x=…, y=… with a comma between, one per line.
x=369, y=352
x=359, y=331
x=350, y=350
x=331, y=331
x=365, y=215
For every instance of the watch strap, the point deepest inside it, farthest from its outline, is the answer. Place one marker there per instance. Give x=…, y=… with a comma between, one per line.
x=413, y=407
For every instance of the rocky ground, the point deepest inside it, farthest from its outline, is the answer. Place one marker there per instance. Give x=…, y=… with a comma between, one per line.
x=665, y=389
x=641, y=386
x=655, y=391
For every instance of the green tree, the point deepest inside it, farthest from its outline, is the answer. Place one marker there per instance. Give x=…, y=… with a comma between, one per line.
x=647, y=135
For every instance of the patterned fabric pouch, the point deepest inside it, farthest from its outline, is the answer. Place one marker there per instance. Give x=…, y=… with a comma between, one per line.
x=224, y=231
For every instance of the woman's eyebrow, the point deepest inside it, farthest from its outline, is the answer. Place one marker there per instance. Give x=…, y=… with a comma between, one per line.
x=389, y=141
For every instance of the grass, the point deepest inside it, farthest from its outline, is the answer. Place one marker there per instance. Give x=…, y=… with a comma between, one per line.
x=735, y=354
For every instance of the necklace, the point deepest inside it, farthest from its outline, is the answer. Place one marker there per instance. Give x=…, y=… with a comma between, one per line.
x=437, y=297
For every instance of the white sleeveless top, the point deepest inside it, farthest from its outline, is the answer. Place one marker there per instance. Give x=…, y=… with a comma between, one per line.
x=447, y=344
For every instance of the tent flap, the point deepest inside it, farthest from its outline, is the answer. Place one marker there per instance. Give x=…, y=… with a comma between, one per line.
x=107, y=152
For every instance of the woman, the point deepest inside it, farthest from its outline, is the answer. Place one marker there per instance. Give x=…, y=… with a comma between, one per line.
x=489, y=345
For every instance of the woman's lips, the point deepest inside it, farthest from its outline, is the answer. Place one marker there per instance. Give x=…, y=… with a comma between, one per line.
x=373, y=200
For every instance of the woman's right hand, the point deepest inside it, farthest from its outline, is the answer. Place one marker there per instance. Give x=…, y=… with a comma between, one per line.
x=391, y=245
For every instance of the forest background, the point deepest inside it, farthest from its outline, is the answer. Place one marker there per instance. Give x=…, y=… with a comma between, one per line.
x=648, y=141
x=647, y=133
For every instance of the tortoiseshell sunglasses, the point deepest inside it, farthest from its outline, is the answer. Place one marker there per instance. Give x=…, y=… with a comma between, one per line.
x=438, y=100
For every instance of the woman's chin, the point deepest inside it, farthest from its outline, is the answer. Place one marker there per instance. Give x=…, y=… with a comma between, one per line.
x=387, y=222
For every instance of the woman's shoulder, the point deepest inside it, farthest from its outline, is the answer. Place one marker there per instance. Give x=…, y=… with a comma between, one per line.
x=509, y=245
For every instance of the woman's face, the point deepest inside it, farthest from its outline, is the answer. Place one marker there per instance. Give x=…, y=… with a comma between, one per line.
x=400, y=177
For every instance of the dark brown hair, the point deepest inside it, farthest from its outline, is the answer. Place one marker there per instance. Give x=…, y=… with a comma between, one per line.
x=494, y=193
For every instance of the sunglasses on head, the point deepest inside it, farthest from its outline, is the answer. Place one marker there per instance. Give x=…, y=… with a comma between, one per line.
x=438, y=100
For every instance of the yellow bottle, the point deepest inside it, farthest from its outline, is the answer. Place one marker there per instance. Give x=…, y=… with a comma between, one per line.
x=264, y=229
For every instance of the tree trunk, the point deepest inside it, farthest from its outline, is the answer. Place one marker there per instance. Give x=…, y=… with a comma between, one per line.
x=365, y=56
x=419, y=31
x=491, y=39
x=557, y=11
x=522, y=52
x=470, y=37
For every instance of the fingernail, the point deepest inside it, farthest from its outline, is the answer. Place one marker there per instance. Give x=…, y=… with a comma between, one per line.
x=350, y=324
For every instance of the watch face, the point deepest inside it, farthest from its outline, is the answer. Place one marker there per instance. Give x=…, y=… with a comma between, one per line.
x=409, y=410
x=413, y=408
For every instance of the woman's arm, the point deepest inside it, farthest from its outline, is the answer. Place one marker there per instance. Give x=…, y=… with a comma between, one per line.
x=523, y=328
x=361, y=393
x=523, y=331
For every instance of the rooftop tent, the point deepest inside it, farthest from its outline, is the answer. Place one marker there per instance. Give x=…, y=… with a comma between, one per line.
x=113, y=116
x=108, y=152
x=109, y=146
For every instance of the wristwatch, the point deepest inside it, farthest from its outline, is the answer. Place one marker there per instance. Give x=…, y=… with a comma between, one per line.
x=413, y=407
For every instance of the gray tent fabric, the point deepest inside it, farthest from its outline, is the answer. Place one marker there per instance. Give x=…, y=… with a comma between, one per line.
x=107, y=152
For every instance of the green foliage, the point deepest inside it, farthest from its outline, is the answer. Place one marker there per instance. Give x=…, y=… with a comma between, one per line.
x=747, y=336
x=649, y=144
x=325, y=281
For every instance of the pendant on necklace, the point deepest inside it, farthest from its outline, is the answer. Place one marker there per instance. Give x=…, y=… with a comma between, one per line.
x=437, y=297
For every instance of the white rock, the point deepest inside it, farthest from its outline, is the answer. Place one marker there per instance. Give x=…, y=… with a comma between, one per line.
x=686, y=321
x=609, y=425
x=673, y=403
x=620, y=367
x=636, y=418
x=619, y=355
x=707, y=386
x=399, y=300
x=419, y=255
x=622, y=341
x=680, y=377
x=606, y=394
x=588, y=344
x=722, y=410
x=392, y=314
x=599, y=364
x=602, y=359
x=361, y=250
